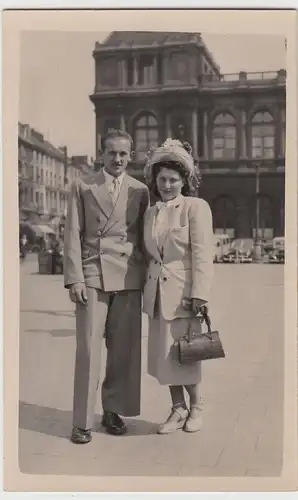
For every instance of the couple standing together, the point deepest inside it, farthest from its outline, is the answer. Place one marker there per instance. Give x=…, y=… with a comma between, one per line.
x=118, y=253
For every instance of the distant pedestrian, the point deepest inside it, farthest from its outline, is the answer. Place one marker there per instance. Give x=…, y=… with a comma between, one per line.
x=55, y=248
x=179, y=240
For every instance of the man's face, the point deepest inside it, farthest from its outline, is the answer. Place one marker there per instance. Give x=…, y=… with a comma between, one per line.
x=116, y=155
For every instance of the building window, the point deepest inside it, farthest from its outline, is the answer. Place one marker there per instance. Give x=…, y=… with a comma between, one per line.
x=179, y=67
x=262, y=132
x=224, y=215
x=146, y=133
x=224, y=137
x=146, y=70
x=108, y=74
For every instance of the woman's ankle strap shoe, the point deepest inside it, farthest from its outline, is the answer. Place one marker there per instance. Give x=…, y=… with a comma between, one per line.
x=175, y=421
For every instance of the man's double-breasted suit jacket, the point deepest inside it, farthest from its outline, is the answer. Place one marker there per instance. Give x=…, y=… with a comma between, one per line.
x=103, y=242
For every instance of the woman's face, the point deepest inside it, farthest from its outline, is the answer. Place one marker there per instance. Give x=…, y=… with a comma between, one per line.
x=169, y=183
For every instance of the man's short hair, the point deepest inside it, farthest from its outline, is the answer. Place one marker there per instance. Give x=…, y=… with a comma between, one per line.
x=113, y=133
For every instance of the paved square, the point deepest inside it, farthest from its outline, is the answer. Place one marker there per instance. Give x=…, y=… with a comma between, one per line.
x=243, y=394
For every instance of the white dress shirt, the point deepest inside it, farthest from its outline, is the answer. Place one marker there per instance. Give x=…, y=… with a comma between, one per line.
x=113, y=184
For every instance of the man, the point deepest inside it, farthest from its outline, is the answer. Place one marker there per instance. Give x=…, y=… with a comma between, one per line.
x=104, y=272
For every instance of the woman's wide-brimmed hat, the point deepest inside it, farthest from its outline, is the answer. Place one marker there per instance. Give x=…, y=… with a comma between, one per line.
x=171, y=150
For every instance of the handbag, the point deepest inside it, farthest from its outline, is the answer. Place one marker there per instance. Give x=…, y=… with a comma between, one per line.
x=198, y=346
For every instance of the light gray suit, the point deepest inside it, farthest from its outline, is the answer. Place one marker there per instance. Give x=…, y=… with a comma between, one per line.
x=103, y=248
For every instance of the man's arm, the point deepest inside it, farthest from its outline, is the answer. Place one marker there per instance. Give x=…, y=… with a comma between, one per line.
x=144, y=205
x=74, y=227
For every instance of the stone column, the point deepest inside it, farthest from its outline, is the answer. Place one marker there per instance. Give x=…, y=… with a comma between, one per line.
x=135, y=71
x=278, y=131
x=243, y=150
x=168, y=125
x=123, y=74
x=205, y=136
x=194, y=116
x=122, y=122
x=282, y=132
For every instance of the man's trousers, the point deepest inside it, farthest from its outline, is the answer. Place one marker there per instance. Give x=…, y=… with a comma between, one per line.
x=118, y=317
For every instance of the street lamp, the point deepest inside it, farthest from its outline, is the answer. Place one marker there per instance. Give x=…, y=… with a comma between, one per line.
x=258, y=239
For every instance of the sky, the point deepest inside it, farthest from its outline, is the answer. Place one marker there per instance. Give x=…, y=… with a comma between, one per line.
x=57, y=75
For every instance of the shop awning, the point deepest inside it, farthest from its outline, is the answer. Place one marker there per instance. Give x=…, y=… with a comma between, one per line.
x=44, y=229
x=39, y=230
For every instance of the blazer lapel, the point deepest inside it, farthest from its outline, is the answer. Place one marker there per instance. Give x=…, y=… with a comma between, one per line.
x=173, y=213
x=102, y=195
x=150, y=237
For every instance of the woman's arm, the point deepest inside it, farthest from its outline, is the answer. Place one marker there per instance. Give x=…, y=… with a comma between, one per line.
x=201, y=239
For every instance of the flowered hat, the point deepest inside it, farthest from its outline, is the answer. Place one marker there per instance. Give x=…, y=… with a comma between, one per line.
x=171, y=150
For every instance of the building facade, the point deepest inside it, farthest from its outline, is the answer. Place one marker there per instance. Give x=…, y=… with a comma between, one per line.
x=44, y=175
x=159, y=85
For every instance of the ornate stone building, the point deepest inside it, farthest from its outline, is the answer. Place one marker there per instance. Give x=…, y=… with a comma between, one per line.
x=159, y=85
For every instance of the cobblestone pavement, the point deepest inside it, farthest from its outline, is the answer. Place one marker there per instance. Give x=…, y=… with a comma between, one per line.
x=243, y=394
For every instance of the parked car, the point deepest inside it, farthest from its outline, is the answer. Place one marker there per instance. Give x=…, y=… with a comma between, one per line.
x=245, y=257
x=277, y=257
x=229, y=257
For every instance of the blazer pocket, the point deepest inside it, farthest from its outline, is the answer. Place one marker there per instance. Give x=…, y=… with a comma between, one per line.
x=180, y=228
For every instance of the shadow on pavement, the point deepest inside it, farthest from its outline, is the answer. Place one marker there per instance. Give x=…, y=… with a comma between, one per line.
x=55, y=332
x=58, y=423
x=69, y=314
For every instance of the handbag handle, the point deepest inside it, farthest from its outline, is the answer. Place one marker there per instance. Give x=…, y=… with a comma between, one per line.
x=204, y=317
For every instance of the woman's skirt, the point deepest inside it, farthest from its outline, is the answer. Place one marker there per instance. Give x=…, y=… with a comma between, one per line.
x=163, y=352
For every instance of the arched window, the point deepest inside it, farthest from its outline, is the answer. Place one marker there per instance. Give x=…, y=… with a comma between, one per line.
x=262, y=132
x=224, y=137
x=224, y=215
x=146, y=135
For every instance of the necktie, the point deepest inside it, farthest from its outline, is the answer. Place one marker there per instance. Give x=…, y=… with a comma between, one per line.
x=114, y=190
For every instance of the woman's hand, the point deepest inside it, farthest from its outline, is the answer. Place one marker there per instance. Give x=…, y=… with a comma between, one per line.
x=197, y=304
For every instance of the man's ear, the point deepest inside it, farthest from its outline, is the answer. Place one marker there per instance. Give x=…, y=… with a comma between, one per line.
x=132, y=155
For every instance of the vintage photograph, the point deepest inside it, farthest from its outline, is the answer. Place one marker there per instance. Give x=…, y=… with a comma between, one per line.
x=151, y=181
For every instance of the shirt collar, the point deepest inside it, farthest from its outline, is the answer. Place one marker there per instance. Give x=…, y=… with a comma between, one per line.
x=170, y=203
x=110, y=178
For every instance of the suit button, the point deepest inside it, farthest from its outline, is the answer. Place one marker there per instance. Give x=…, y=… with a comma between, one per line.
x=165, y=279
x=98, y=219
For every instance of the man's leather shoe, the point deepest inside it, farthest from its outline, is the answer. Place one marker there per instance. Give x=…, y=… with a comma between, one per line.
x=113, y=423
x=81, y=436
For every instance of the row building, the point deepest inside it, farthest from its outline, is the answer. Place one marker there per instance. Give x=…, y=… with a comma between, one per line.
x=44, y=175
x=159, y=85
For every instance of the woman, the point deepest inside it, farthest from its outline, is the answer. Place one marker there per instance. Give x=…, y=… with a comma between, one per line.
x=178, y=238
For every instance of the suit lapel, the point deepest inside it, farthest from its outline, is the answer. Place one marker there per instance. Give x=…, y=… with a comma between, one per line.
x=102, y=195
x=119, y=210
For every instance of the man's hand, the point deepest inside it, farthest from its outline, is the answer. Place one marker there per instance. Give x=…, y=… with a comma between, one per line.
x=197, y=304
x=78, y=294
